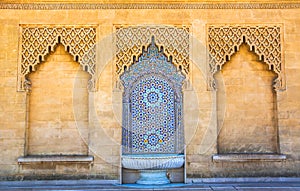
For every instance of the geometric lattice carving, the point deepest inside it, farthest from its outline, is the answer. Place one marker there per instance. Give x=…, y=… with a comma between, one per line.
x=38, y=41
x=265, y=41
x=131, y=40
x=152, y=105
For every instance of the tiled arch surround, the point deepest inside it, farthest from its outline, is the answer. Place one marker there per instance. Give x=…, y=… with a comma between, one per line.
x=172, y=49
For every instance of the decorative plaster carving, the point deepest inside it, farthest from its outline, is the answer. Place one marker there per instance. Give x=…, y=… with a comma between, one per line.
x=181, y=5
x=39, y=41
x=131, y=40
x=265, y=41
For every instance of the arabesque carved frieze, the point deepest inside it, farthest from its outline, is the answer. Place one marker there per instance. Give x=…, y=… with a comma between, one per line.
x=39, y=41
x=173, y=39
x=171, y=5
x=264, y=40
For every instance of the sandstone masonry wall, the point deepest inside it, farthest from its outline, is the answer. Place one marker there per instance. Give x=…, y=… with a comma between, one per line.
x=104, y=105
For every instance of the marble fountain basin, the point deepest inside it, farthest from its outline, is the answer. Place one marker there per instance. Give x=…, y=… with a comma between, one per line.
x=153, y=167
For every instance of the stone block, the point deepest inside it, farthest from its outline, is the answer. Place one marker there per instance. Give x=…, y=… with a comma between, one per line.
x=66, y=169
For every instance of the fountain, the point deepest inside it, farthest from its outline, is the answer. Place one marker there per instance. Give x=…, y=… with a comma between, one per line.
x=152, y=127
x=153, y=167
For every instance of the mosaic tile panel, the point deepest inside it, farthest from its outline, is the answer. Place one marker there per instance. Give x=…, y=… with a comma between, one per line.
x=153, y=116
x=152, y=105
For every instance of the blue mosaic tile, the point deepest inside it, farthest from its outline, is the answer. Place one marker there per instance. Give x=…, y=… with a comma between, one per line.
x=152, y=104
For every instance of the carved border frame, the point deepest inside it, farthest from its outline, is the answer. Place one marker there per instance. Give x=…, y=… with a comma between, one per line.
x=265, y=40
x=37, y=41
x=179, y=5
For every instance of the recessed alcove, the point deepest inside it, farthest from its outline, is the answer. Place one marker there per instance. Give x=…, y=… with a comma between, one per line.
x=57, y=105
x=246, y=106
x=152, y=128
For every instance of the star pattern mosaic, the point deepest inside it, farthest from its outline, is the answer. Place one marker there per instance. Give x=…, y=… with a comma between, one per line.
x=152, y=105
x=153, y=119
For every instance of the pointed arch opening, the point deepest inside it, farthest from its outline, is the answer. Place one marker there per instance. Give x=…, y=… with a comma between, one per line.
x=246, y=105
x=58, y=91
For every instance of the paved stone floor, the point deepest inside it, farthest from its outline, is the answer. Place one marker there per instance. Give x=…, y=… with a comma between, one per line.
x=107, y=185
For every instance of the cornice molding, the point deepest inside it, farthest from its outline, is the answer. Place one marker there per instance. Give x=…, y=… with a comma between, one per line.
x=65, y=6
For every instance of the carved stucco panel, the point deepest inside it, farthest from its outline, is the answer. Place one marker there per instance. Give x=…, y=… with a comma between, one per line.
x=39, y=41
x=130, y=41
x=149, y=5
x=264, y=40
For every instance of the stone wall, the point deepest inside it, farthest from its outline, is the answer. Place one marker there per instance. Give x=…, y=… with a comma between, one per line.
x=58, y=107
x=104, y=105
x=246, y=106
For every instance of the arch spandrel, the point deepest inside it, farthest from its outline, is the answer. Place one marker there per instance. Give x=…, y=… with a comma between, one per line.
x=38, y=41
x=130, y=40
x=265, y=41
